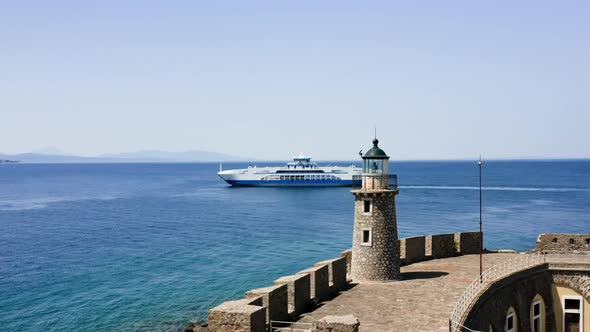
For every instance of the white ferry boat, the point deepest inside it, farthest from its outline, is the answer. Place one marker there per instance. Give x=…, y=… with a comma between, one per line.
x=300, y=172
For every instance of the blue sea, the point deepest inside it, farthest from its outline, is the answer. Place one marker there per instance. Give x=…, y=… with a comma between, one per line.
x=148, y=247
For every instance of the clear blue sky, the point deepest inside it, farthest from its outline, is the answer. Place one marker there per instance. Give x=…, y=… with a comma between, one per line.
x=269, y=79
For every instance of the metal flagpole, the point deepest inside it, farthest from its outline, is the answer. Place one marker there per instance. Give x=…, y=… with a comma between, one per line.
x=479, y=164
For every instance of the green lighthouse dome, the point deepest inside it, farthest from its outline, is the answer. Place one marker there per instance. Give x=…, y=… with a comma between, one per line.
x=375, y=152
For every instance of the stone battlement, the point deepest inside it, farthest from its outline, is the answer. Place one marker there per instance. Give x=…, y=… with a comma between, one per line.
x=563, y=241
x=293, y=295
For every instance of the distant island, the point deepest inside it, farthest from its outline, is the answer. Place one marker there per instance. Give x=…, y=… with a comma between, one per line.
x=127, y=157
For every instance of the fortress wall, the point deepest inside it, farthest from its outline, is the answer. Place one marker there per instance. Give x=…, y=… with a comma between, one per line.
x=468, y=242
x=348, y=255
x=275, y=299
x=299, y=292
x=440, y=245
x=242, y=315
x=562, y=241
x=291, y=296
x=319, y=282
x=412, y=249
x=336, y=273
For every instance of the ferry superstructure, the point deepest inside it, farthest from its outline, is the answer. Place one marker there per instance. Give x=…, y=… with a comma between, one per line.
x=300, y=172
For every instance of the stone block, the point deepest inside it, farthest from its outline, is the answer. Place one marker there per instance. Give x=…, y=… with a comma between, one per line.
x=348, y=255
x=299, y=292
x=275, y=299
x=412, y=249
x=347, y=323
x=468, y=242
x=245, y=315
x=440, y=245
x=337, y=272
x=319, y=282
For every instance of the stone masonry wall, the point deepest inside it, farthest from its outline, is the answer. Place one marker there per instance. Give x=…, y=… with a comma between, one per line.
x=336, y=273
x=516, y=291
x=275, y=299
x=245, y=315
x=319, y=282
x=299, y=292
x=440, y=245
x=278, y=302
x=412, y=249
x=381, y=259
x=562, y=241
x=578, y=281
x=468, y=242
x=348, y=255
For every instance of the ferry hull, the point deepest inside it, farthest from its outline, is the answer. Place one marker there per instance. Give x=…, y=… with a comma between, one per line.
x=261, y=183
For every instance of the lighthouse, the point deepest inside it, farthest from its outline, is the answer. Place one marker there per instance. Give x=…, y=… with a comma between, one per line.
x=375, y=245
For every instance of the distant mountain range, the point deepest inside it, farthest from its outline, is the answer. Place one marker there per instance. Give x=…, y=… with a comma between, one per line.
x=140, y=156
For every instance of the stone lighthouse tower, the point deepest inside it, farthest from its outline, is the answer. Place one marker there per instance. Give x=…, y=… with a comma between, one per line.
x=375, y=246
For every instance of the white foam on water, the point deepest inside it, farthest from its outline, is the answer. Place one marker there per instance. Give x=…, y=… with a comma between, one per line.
x=495, y=188
x=43, y=202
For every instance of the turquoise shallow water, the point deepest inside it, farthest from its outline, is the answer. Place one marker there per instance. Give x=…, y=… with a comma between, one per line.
x=147, y=247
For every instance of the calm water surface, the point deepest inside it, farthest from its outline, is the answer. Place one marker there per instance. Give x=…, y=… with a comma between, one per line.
x=147, y=247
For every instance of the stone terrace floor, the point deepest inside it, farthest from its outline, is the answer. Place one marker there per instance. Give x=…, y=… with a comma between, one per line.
x=422, y=301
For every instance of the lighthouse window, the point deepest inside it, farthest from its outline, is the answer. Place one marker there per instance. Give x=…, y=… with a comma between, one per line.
x=367, y=207
x=367, y=239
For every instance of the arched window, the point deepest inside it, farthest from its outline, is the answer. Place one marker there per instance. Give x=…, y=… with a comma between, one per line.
x=510, y=325
x=538, y=314
x=572, y=241
x=554, y=240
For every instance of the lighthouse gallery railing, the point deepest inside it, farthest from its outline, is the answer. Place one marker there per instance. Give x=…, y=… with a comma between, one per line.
x=378, y=181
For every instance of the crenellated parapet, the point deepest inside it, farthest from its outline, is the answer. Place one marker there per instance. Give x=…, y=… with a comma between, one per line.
x=290, y=296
